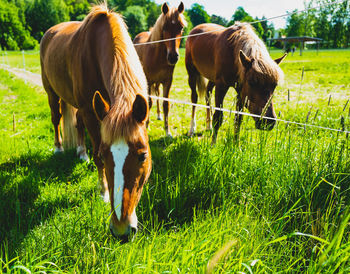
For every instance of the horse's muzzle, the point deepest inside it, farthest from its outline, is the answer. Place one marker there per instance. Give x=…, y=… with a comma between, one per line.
x=128, y=236
x=173, y=58
x=265, y=124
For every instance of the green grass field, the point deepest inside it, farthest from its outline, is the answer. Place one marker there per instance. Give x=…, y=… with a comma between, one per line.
x=277, y=202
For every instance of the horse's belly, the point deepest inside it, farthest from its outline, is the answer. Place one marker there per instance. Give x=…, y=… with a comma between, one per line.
x=206, y=69
x=61, y=83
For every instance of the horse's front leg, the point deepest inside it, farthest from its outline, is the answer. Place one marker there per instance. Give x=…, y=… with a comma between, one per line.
x=81, y=148
x=220, y=92
x=238, y=118
x=166, y=106
x=92, y=125
x=156, y=91
x=210, y=87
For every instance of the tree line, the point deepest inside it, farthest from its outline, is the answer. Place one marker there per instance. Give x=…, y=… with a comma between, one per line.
x=23, y=22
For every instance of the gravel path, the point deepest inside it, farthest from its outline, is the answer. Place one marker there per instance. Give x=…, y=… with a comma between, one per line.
x=26, y=75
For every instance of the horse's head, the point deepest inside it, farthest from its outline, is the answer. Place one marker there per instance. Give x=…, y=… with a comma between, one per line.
x=258, y=86
x=172, y=28
x=127, y=162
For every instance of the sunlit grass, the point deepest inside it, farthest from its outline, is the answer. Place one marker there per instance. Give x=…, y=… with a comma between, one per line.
x=277, y=202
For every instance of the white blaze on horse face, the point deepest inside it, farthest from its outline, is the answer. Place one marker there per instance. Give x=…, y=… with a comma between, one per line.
x=119, y=151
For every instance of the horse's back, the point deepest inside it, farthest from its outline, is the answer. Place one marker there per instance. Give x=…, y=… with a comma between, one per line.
x=141, y=37
x=201, y=49
x=54, y=57
x=141, y=49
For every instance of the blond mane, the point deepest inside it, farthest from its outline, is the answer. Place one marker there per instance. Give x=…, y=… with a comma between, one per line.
x=125, y=80
x=244, y=38
x=156, y=32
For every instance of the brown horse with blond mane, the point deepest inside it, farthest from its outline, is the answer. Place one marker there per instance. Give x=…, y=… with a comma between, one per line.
x=232, y=57
x=91, y=71
x=159, y=59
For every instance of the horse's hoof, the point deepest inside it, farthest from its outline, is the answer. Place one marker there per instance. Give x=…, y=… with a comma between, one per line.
x=168, y=135
x=159, y=118
x=58, y=150
x=84, y=157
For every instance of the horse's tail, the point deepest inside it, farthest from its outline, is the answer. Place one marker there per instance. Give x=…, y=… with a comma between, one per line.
x=201, y=85
x=69, y=123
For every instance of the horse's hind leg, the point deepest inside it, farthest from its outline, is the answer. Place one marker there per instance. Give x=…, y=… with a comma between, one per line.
x=156, y=91
x=207, y=100
x=54, y=102
x=192, y=81
x=238, y=117
x=166, y=106
x=81, y=148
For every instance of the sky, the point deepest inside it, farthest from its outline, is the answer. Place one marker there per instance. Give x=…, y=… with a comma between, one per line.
x=226, y=8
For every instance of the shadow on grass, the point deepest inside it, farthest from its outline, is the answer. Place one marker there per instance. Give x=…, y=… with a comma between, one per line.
x=21, y=182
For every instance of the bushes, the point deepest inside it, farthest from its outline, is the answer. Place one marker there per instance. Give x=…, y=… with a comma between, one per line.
x=13, y=34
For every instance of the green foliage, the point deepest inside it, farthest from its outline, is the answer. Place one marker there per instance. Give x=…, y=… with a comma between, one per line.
x=43, y=14
x=241, y=15
x=77, y=9
x=198, y=15
x=330, y=22
x=136, y=20
x=218, y=20
x=13, y=34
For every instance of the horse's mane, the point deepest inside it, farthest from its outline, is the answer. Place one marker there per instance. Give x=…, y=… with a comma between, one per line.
x=123, y=82
x=244, y=38
x=156, y=32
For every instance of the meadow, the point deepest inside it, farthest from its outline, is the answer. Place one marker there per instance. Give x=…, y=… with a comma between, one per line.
x=276, y=202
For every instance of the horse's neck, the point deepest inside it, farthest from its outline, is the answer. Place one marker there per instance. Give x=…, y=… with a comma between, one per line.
x=156, y=48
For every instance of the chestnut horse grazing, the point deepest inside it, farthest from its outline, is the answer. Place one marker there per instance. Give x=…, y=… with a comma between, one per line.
x=159, y=59
x=234, y=57
x=91, y=68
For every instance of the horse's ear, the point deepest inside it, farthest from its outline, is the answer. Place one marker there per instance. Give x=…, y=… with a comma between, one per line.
x=279, y=60
x=181, y=8
x=165, y=8
x=245, y=60
x=100, y=106
x=140, y=109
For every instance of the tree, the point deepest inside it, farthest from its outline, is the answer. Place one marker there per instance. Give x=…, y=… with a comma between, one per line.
x=218, y=20
x=13, y=34
x=77, y=9
x=135, y=19
x=198, y=15
x=241, y=15
x=43, y=14
x=295, y=25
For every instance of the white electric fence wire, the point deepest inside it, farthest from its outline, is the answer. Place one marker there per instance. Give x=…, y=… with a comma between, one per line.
x=247, y=114
x=251, y=23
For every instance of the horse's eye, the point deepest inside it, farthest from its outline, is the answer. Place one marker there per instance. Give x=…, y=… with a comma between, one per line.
x=142, y=157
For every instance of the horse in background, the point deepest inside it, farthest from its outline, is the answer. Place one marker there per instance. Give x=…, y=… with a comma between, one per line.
x=232, y=57
x=159, y=59
x=91, y=71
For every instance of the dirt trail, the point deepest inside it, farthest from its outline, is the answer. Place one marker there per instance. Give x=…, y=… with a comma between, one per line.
x=25, y=75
